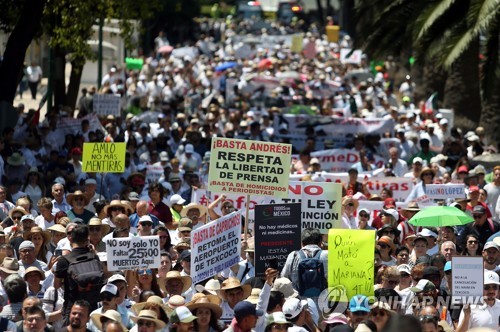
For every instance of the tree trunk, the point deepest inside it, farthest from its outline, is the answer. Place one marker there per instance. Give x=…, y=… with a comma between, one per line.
x=15, y=51
x=74, y=82
x=434, y=80
x=59, y=77
x=321, y=17
x=462, y=86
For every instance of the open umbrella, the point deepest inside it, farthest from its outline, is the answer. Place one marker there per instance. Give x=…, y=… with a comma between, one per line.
x=440, y=216
x=488, y=160
x=226, y=65
x=165, y=49
x=265, y=63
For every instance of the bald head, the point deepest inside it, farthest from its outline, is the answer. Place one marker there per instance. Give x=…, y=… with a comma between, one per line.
x=142, y=208
x=122, y=221
x=429, y=310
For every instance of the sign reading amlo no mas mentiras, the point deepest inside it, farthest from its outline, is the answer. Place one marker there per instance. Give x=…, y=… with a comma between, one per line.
x=249, y=167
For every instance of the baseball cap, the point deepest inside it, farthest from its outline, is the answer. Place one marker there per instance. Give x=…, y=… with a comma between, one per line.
x=491, y=278
x=164, y=156
x=418, y=160
x=463, y=169
x=27, y=217
x=189, y=148
x=404, y=268
x=90, y=181
x=423, y=285
x=479, y=209
x=447, y=266
x=427, y=232
x=359, y=303
x=244, y=309
x=393, y=212
x=116, y=277
x=390, y=203
x=490, y=244
x=185, y=224
x=430, y=271
x=177, y=199
x=182, y=315
x=293, y=307
x=109, y=288
x=133, y=196
x=473, y=189
x=26, y=245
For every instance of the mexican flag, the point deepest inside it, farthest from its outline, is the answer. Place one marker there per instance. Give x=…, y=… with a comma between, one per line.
x=430, y=105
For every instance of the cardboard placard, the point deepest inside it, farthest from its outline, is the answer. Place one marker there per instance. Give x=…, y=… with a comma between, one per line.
x=467, y=273
x=104, y=157
x=130, y=253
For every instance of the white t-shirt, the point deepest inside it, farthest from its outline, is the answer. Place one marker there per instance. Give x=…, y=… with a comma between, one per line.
x=483, y=316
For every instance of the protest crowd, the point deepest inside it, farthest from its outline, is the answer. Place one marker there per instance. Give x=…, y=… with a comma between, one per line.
x=102, y=250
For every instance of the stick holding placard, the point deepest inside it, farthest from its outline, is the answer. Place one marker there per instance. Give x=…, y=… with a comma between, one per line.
x=246, y=216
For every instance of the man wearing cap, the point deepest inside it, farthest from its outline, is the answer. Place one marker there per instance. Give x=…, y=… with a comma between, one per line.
x=297, y=312
x=91, y=194
x=176, y=206
x=482, y=227
x=245, y=317
x=59, y=202
x=141, y=211
x=27, y=258
x=189, y=158
x=483, y=315
x=425, y=292
x=182, y=319
x=109, y=300
x=431, y=237
x=359, y=309
x=490, y=256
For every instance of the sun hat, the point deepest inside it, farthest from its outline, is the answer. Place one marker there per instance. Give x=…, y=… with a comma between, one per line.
x=212, y=286
x=34, y=269
x=175, y=302
x=277, y=318
x=201, y=208
x=293, y=307
x=182, y=315
x=113, y=315
x=232, y=283
x=254, y=296
x=186, y=280
x=98, y=222
x=138, y=307
x=386, y=227
x=10, y=265
x=203, y=301
x=118, y=203
x=37, y=230
x=17, y=209
x=77, y=193
x=284, y=285
x=185, y=224
x=16, y=159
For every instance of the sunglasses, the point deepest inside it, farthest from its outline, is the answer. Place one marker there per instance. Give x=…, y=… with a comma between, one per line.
x=95, y=229
x=146, y=223
x=350, y=204
x=143, y=272
x=447, y=272
x=472, y=242
x=363, y=215
x=383, y=246
x=280, y=327
x=477, y=216
x=117, y=209
x=106, y=297
x=145, y=323
x=490, y=287
x=404, y=275
x=79, y=199
x=376, y=313
x=388, y=232
x=392, y=282
x=16, y=217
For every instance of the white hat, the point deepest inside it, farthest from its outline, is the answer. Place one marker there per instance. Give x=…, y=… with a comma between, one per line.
x=427, y=232
x=491, y=278
x=163, y=156
x=116, y=277
x=314, y=161
x=418, y=160
x=90, y=181
x=293, y=307
x=110, y=288
x=212, y=286
x=145, y=218
x=393, y=212
x=189, y=148
x=177, y=199
x=473, y=138
x=443, y=122
x=404, y=268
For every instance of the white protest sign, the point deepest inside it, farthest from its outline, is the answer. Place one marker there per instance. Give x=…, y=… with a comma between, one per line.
x=445, y=191
x=72, y=126
x=107, y=104
x=215, y=247
x=154, y=173
x=467, y=277
x=354, y=57
x=341, y=160
x=129, y=253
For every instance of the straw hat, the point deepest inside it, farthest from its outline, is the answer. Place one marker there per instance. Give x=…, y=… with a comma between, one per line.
x=138, y=307
x=212, y=287
x=349, y=199
x=208, y=302
x=34, y=269
x=9, y=265
x=57, y=228
x=254, y=296
x=175, y=302
x=232, y=283
x=128, y=205
x=77, y=193
x=39, y=230
x=190, y=206
x=17, y=209
x=284, y=285
x=117, y=203
x=149, y=315
x=186, y=280
x=425, y=170
x=105, y=228
x=109, y=314
x=16, y=159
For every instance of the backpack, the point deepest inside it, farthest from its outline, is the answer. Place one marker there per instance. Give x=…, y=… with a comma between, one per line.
x=311, y=273
x=86, y=277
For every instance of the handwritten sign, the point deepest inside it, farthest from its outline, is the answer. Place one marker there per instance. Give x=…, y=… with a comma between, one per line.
x=249, y=167
x=154, y=173
x=215, y=246
x=129, y=253
x=104, y=157
x=467, y=278
x=277, y=233
x=350, y=260
x=445, y=191
x=107, y=104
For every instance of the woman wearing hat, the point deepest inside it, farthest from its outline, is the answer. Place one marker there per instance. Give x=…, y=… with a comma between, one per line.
x=78, y=201
x=147, y=321
x=33, y=277
x=97, y=230
x=276, y=322
x=41, y=240
x=100, y=321
x=349, y=206
x=426, y=178
x=207, y=309
x=34, y=186
x=153, y=303
x=381, y=314
x=386, y=247
x=114, y=208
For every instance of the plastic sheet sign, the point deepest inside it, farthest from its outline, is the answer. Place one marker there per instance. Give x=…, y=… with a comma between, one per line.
x=249, y=167
x=104, y=157
x=467, y=278
x=215, y=246
x=351, y=260
x=129, y=253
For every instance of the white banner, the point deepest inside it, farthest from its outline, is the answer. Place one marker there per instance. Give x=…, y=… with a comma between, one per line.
x=445, y=191
x=215, y=247
x=154, y=173
x=354, y=57
x=341, y=160
x=74, y=126
x=107, y=104
x=130, y=253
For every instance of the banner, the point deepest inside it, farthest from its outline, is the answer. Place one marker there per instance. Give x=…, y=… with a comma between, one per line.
x=347, y=57
x=215, y=247
x=341, y=160
x=351, y=260
x=154, y=173
x=107, y=104
x=130, y=253
x=467, y=277
x=321, y=203
x=249, y=167
x=104, y=157
x=72, y=126
x=445, y=191
x=277, y=233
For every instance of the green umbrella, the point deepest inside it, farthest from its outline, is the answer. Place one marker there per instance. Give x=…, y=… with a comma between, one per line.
x=439, y=216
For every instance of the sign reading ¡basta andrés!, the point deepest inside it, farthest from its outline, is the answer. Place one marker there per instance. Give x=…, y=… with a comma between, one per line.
x=104, y=157
x=249, y=167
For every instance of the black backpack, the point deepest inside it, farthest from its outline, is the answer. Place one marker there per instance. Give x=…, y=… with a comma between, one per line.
x=86, y=277
x=311, y=273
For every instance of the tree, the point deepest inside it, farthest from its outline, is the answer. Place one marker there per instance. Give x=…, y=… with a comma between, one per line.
x=68, y=24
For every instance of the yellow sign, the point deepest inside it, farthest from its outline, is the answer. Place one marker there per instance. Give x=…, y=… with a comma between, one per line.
x=332, y=33
x=350, y=261
x=249, y=167
x=297, y=41
x=104, y=157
